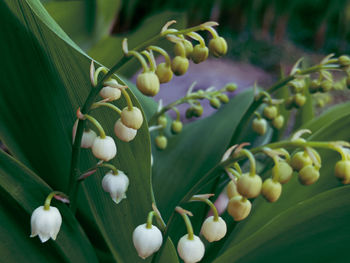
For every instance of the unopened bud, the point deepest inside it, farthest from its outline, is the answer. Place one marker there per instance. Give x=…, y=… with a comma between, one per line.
x=342, y=171
x=282, y=171
x=176, y=127
x=314, y=86
x=308, y=175
x=299, y=100
x=161, y=142
x=197, y=110
x=188, y=47
x=249, y=185
x=164, y=73
x=215, y=103
x=239, y=207
x=199, y=54
x=179, y=65
x=179, y=49
x=270, y=112
x=344, y=61
x=223, y=98
x=300, y=160
x=132, y=118
x=218, y=46
x=231, y=87
x=259, y=126
x=232, y=189
x=162, y=120
x=148, y=83
x=278, y=122
x=271, y=190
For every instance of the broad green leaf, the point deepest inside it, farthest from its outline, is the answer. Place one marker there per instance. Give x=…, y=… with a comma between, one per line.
x=330, y=126
x=85, y=21
x=313, y=230
x=21, y=191
x=108, y=50
x=191, y=154
x=44, y=84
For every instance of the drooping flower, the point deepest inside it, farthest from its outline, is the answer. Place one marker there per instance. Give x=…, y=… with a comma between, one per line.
x=123, y=132
x=45, y=223
x=88, y=137
x=190, y=250
x=116, y=185
x=214, y=230
x=147, y=240
x=104, y=148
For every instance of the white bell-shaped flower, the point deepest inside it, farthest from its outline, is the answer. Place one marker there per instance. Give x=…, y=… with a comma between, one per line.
x=190, y=250
x=214, y=230
x=45, y=223
x=116, y=185
x=123, y=132
x=88, y=137
x=104, y=148
x=110, y=93
x=147, y=240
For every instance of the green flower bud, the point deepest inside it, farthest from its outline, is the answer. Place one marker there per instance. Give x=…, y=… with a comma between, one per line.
x=299, y=100
x=239, y=208
x=197, y=110
x=344, y=61
x=189, y=113
x=300, y=160
x=289, y=104
x=132, y=118
x=249, y=186
x=201, y=94
x=223, y=98
x=259, y=126
x=271, y=190
x=164, y=73
x=176, y=127
x=148, y=83
x=161, y=142
x=199, y=54
x=215, y=103
x=282, y=171
x=270, y=112
x=179, y=65
x=326, y=85
x=315, y=86
x=308, y=175
x=231, y=87
x=348, y=82
x=162, y=120
x=188, y=48
x=179, y=49
x=232, y=189
x=218, y=46
x=342, y=171
x=278, y=122
x=297, y=85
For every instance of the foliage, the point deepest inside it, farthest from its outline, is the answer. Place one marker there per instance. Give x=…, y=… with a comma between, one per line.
x=45, y=78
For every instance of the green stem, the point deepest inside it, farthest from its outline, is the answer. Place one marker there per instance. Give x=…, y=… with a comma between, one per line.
x=97, y=72
x=212, y=31
x=49, y=198
x=97, y=125
x=140, y=59
x=208, y=202
x=109, y=166
x=190, y=235
x=197, y=37
x=151, y=61
x=163, y=53
x=106, y=104
x=177, y=113
x=149, y=219
x=128, y=99
x=251, y=161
